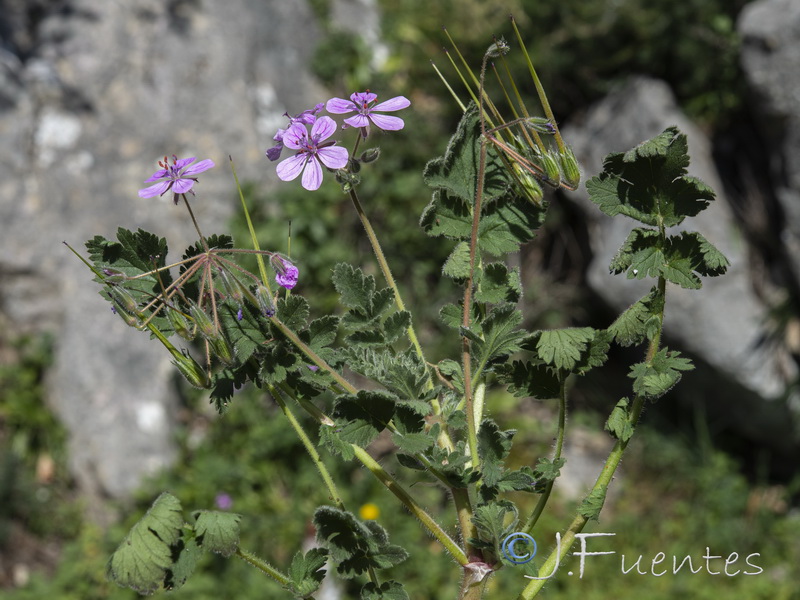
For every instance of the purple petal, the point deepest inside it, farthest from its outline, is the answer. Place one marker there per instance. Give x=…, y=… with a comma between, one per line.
x=339, y=106
x=287, y=278
x=357, y=121
x=294, y=136
x=322, y=129
x=274, y=153
x=386, y=122
x=181, y=186
x=290, y=168
x=278, y=137
x=333, y=157
x=397, y=103
x=155, y=190
x=360, y=98
x=157, y=175
x=312, y=176
x=182, y=162
x=203, y=165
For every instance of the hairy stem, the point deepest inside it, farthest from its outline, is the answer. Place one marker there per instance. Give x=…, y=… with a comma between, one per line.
x=387, y=274
x=393, y=486
x=263, y=566
x=310, y=448
x=562, y=422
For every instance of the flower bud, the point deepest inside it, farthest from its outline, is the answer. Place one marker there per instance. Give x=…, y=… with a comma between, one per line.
x=569, y=165
x=540, y=125
x=222, y=349
x=124, y=301
x=230, y=285
x=193, y=372
x=180, y=324
x=529, y=184
x=113, y=276
x=370, y=155
x=265, y=303
x=353, y=165
x=203, y=321
x=551, y=169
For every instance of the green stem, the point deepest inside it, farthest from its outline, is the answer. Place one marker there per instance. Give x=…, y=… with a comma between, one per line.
x=313, y=356
x=393, y=486
x=196, y=226
x=387, y=274
x=263, y=566
x=562, y=422
x=464, y=513
x=310, y=448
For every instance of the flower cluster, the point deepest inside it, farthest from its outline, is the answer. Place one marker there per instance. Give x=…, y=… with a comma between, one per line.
x=313, y=151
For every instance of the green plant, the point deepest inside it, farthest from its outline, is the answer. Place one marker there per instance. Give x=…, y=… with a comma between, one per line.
x=488, y=201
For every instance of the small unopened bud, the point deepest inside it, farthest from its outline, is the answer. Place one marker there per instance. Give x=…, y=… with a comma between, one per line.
x=193, y=372
x=114, y=276
x=353, y=165
x=124, y=300
x=265, y=303
x=540, y=125
x=222, y=349
x=230, y=285
x=529, y=184
x=180, y=324
x=551, y=169
x=203, y=321
x=370, y=155
x=569, y=165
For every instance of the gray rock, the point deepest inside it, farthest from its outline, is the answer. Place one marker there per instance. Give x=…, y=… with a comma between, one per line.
x=722, y=323
x=770, y=31
x=104, y=90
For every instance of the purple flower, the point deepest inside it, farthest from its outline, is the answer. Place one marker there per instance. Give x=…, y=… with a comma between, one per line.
x=307, y=117
x=177, y=176
x=311, y=152
x=223, y=501
x=362, y=103
x=286, y=273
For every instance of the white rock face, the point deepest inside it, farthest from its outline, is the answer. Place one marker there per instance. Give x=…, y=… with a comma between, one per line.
x=90, y=99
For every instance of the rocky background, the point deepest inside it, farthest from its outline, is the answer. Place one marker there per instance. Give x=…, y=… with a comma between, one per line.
x=94, y=92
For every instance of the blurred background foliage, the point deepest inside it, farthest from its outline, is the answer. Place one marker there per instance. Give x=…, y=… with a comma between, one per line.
x=678, y=494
